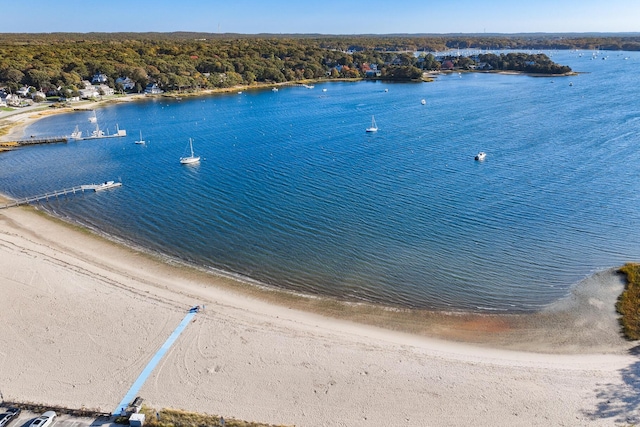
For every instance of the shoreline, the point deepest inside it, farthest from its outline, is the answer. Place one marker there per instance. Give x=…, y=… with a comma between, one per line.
x=554, y=329
x=90, y=313
x=472, y=327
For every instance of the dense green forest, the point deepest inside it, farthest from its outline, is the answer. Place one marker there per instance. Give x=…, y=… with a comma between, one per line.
x=180, y=61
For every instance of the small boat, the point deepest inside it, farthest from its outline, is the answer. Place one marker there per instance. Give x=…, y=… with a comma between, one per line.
x=192, y=158
x=107, y=185
x=140, y=141
x=97, y=133
x=324, y=90
x=386, y=90
x=481, y=156
x=76, y=134
x=93, y=119
x=275, y=89
x=239, y=92
x=423, y=102
x=374, y=126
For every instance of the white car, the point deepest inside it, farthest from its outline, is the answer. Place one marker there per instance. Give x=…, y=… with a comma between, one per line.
x=44, y=420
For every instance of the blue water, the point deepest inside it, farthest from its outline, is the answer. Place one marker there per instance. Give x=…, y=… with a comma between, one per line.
x=293, y=193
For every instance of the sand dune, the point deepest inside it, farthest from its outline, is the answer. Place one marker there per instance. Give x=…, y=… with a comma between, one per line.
x=82, y=316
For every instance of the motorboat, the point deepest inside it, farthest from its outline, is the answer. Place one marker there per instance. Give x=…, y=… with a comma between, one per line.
x=107, y=185
x=481, y=156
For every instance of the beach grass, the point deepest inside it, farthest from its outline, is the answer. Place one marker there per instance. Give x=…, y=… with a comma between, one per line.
x=628, y=304
x=178, y=418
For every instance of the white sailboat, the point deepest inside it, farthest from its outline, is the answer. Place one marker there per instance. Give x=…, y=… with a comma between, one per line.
x=140, y=141
x=192, y=158
x=374, y=126
x=94, y=118
x=76, y=134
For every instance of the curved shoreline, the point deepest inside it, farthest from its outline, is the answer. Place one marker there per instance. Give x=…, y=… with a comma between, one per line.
x=515, y=330
x=558, y=328
x=90, y=312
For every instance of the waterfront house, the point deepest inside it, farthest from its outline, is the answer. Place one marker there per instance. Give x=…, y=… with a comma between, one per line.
x=88, y=93
x=153, y=89
x=23, y=91
x=126, y=82
x=38, y=96
x=99, y=78
x=104, y=90
x=12, y=100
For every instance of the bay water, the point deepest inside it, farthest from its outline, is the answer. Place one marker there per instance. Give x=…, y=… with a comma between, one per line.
x=293, y=193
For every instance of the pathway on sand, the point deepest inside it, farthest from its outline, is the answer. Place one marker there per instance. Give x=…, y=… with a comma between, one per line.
x=139, y=382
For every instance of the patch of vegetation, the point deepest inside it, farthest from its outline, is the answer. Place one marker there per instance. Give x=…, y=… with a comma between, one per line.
x=59, y=63
x=177, y=418
x=628, y=304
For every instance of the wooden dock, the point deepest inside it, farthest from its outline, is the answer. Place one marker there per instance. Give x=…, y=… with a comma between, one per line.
x=80, y=189
x=43, y=140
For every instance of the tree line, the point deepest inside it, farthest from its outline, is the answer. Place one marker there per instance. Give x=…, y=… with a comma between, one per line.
x=177, y=61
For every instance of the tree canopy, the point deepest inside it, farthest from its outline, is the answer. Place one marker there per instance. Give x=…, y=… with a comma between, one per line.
x=177, y=61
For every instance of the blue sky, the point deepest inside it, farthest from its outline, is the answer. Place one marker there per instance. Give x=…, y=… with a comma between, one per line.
x=325, y=17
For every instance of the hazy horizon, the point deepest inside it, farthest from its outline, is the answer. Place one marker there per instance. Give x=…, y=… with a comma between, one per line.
x=357, y=17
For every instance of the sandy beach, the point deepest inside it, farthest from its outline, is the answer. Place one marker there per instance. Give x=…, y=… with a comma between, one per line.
x=82, y=316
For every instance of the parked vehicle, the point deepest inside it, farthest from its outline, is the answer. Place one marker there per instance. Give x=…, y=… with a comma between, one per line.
x=10, y=415
x=44, y=420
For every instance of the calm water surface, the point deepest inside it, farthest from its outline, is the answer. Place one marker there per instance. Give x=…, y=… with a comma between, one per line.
x=293, y=193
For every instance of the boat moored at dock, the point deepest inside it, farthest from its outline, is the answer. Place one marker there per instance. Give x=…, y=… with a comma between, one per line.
x=106, y=185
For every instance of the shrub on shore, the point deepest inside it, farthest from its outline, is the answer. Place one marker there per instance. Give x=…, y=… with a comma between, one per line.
x=628, y=304
x=177, y=418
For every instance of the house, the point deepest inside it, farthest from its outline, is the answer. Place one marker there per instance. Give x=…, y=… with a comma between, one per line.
x=86, y=84
x=126, y=82
x=152, y=89
x=88, y=93
x=38, y=95
x=104, y=90
x=3, y=101
x=447, y=65
x=99, y=78
x=23, y=91
x=12, y=100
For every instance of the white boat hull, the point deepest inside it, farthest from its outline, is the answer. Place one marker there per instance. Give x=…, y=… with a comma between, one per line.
x=189, y=160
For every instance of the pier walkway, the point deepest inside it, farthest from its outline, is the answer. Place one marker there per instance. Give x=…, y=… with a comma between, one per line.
x=139, y=382
x=55, y=194
x=42, y=140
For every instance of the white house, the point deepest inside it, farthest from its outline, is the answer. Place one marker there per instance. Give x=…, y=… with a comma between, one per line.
x=89, y=93
x=105, y=90
x=126, y=82
x=39, y=94
x=23, y=91
x=12, y=100
x=99, y=78
x=153, y=89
